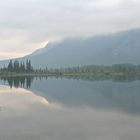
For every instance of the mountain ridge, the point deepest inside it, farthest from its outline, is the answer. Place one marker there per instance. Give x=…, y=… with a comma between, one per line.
x=122, y=47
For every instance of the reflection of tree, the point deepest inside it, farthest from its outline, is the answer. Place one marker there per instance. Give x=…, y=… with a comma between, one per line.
x=10, y=82
x=28, y=82
x=24, y=82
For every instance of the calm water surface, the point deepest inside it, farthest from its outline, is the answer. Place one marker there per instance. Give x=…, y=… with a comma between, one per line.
x=67, y=109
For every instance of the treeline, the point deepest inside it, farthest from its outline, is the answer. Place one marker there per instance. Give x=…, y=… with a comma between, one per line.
x=124, y=68
x=18, y=67
x=26, y=67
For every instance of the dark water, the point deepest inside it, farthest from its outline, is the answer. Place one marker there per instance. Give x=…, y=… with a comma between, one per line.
x=69, y=109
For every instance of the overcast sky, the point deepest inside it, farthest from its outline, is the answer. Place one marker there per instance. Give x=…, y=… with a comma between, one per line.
x=26, y=25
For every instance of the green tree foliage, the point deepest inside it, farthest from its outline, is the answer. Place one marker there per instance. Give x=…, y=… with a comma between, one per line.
x=29, y=67
x=17, y=67
x=129, y=68
x=10, y=66
x=26, y=67
x=22, y=67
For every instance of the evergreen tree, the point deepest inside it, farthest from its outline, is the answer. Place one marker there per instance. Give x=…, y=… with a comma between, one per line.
x=10, y=66
x=28, y=66
x=16, y=66
x=22, y=67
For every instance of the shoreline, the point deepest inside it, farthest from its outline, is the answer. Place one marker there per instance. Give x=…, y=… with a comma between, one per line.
x=75, y=74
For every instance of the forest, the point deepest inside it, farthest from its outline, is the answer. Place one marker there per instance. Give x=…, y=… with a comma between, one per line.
x=25, y=68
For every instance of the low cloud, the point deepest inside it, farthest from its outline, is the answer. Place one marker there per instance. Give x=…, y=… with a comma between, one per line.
x=35, y=21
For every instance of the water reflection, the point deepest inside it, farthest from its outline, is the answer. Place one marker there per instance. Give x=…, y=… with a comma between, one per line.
x=98, y=93
x=123, y=96
x=26, y=116
x=23, y=82
x=19, y=99
x=26, y=81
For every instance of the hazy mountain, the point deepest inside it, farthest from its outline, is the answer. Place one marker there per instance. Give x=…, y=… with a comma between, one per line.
x=121, y=47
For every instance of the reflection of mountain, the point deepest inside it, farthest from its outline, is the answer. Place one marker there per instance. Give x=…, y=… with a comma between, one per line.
x=20, y=99
x=98, y=94
x=117, y=48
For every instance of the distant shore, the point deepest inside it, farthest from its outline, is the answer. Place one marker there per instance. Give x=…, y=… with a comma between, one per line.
x=73, y=74
x=25, y=69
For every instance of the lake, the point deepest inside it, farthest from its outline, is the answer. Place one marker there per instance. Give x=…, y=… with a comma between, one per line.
x=69, y=109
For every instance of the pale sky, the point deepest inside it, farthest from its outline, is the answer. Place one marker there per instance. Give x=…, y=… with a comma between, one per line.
x=26, y=25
